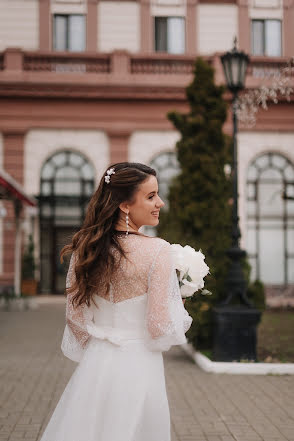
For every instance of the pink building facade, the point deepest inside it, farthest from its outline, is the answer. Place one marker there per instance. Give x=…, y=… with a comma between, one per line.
x=87, y=83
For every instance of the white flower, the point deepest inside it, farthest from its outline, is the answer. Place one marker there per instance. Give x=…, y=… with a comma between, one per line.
x=191, y=269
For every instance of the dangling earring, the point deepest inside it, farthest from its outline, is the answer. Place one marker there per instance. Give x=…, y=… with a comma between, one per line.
x=127, y=222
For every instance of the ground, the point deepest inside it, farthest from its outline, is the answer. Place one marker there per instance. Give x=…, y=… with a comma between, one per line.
x=204, y=407
x=276, y=336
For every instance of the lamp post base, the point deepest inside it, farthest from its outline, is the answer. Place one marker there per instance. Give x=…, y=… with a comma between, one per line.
x=235, y=333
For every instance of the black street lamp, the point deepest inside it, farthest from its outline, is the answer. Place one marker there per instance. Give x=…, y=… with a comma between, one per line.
x=235, y=324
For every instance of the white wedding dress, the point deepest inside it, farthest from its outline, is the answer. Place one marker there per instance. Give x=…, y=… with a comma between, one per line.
x=118, y=390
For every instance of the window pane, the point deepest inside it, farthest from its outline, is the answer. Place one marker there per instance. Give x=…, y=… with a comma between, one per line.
x=48, y=171
x=87, y=171
x=273, y=40
x=252, y=263
x=46, y=189
x=270, y=199
x=176, y=35
x=257, y=41
x=272, y=263
x=60, y=32
x=251, y=241
x=77, y=33
x=291, y=270
x=160, y=34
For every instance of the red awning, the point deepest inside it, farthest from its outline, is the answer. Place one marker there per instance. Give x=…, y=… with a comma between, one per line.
x=10, y=189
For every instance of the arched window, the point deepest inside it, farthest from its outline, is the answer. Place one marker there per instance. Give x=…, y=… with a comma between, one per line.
x=67, y=183
x=167, y=167
x=270, y=219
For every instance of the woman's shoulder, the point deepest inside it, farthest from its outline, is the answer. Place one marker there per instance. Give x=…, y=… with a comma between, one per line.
x=155, y=242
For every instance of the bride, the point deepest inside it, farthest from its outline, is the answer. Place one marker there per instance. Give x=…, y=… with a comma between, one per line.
x=123, y=309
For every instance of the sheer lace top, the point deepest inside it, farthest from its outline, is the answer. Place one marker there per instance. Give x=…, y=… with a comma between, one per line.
x=131, y=277
x=144, y=301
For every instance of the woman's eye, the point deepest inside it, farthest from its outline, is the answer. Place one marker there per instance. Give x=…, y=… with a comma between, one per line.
x=150, y=197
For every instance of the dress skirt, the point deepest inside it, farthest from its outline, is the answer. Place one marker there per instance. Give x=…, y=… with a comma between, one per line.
x=116, y=393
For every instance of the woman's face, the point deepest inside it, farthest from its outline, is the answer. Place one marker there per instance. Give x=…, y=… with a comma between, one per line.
x=147, y=204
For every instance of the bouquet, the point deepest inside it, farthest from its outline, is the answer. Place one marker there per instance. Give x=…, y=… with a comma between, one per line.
x=191, y=269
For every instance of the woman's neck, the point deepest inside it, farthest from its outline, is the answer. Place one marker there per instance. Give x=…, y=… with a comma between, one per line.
x=121, y=226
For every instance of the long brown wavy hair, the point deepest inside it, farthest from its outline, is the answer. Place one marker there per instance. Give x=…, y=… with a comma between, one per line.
x=91, y=244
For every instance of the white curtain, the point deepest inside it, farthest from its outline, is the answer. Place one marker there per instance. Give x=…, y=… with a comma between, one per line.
x=60, y=34
x=257, y=37
x=69, y=33
x=273, y=38
x=77, y=33
x=176, y=35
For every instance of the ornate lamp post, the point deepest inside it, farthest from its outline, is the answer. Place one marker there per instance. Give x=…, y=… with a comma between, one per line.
x=235, y=324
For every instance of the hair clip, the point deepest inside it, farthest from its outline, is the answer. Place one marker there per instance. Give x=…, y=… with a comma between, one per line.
x=109, y=172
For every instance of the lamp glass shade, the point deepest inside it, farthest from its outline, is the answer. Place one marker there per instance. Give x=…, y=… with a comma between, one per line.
x=235, y=66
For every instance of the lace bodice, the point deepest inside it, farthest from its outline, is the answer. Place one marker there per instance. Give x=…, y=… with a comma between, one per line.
x=144, y=302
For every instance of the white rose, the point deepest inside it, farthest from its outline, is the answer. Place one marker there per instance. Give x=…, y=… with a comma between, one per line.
x=179, y=259
x=189, y=262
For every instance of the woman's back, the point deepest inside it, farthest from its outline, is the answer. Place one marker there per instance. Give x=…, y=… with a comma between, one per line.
x=131, y=277
x=123, y=309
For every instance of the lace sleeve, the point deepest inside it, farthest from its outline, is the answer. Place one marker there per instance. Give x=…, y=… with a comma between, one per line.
x=75, y=335
x=166, y=320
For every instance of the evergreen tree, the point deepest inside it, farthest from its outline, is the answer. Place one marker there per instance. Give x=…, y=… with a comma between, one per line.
x=199, y=197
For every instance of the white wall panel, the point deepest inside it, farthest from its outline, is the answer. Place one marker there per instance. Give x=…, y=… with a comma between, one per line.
x=145, y=145
x=217, y=26
x=265, y=13
x=19, y=24
x=69, y=6
x=118, y=26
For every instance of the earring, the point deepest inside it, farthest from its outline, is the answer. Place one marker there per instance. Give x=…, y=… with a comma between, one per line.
x=127, y=222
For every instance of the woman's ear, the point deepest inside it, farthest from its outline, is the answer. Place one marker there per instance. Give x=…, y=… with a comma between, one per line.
x=124, y=207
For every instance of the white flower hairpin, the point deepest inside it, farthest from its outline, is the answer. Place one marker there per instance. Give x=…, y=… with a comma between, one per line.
x=109, y=172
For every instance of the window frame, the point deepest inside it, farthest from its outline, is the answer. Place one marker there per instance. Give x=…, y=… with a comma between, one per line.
x=67, y=16
x=263, y=21
x=255, y=219
x=166, y=17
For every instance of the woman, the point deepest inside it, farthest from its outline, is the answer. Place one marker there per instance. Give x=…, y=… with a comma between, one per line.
x=124, y=309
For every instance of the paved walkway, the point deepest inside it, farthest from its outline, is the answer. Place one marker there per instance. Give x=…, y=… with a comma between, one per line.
x=204, y=407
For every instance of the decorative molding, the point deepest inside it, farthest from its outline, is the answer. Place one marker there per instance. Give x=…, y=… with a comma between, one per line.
x=13, y=131
x=219, y=2
x=106, y=92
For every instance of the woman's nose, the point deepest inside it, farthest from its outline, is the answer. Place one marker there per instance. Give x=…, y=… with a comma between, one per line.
x=161, y=203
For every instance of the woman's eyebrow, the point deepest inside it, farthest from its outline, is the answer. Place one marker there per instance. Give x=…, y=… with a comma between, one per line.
x=151, y=192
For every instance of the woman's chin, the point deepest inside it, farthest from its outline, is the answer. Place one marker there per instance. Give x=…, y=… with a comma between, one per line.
x=152, y=222
x=155, y=221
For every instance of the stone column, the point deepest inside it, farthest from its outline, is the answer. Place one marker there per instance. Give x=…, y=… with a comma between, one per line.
x=45, y=40
x=13, y=163
x=146, y=25
x=288, y=28
x=92, y=27
x=244, y=26
x=191, y=27
x=119, y=140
